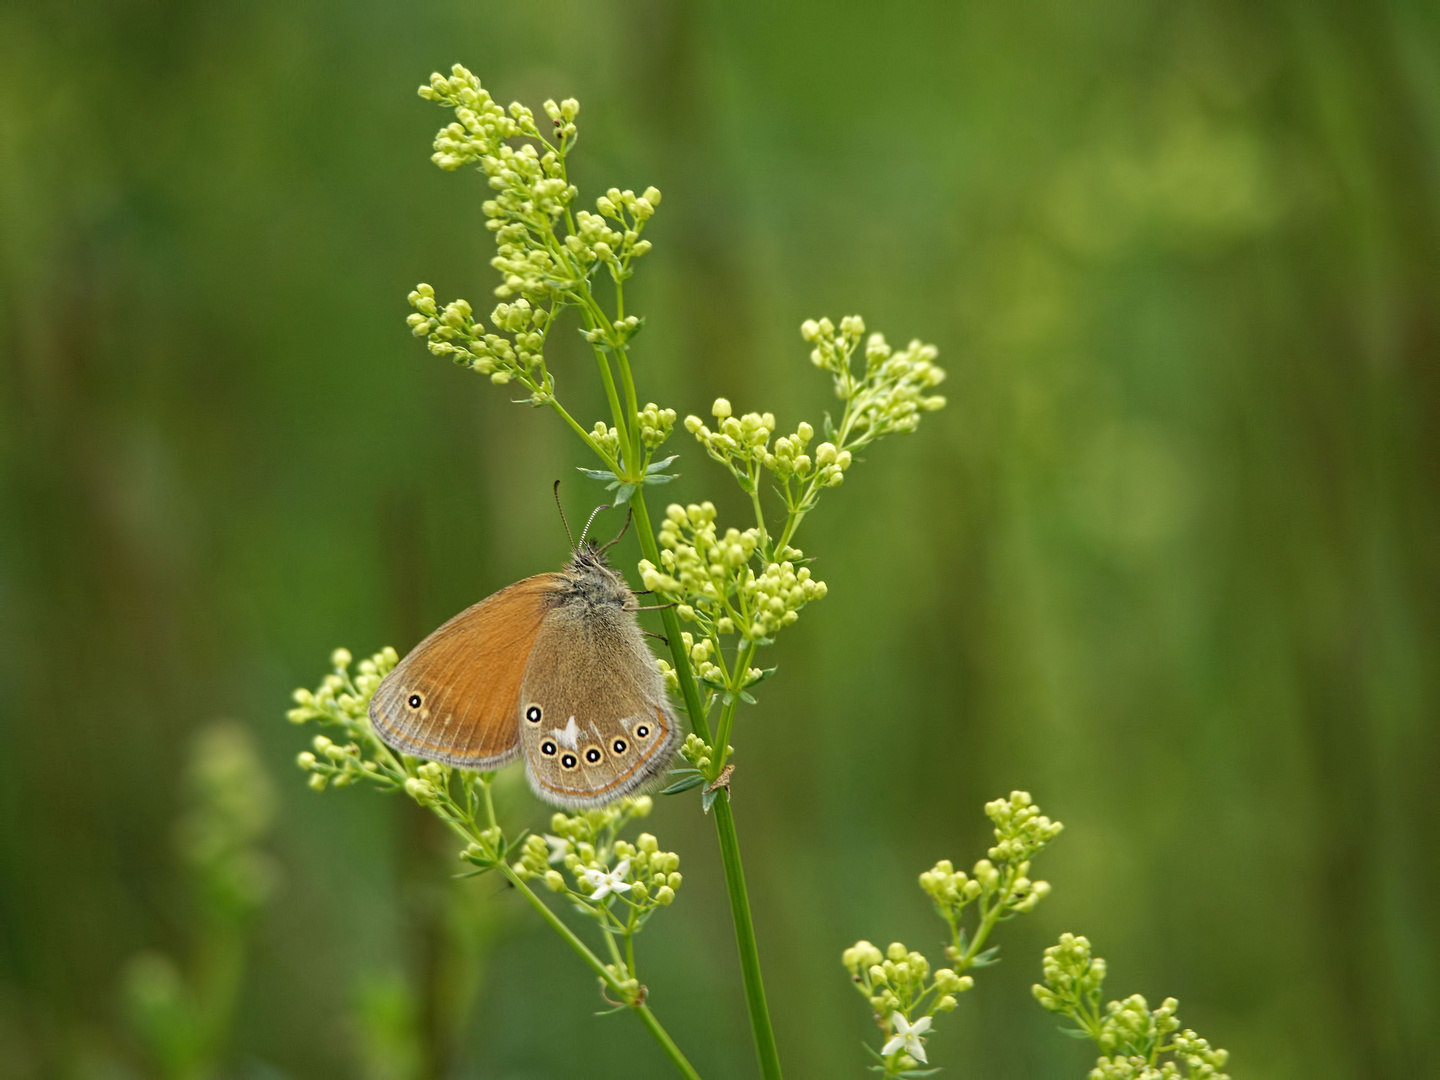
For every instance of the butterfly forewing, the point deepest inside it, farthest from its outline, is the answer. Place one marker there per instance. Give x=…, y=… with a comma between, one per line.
x=454, y=698
x=594, y=721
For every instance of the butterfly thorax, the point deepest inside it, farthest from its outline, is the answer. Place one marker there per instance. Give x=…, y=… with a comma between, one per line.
x=588, y=579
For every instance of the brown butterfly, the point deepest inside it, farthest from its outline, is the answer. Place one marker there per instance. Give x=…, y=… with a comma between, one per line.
x=554, y=665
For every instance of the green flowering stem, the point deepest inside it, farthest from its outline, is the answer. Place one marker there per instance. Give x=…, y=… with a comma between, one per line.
x=640, y=1009
x=727, y=712
x=745, y=943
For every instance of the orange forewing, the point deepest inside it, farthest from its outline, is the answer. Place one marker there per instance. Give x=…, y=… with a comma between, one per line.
x=466, y=677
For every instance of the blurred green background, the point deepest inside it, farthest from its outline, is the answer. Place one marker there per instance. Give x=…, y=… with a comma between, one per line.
x=1170, y=560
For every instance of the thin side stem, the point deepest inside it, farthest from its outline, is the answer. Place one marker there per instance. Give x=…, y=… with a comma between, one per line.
x=642, y=1011
x=582, y=950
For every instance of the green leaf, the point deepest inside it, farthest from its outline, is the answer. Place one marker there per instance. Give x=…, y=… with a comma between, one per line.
x=656, y=466
x=1074, y=1033
x=684, y=785
x=598, y=474
x=745, y=697
x=622, y=495
x=660, y=478
x=746, y=484
x=988, y=957
x=707, y=798
x=485, y=868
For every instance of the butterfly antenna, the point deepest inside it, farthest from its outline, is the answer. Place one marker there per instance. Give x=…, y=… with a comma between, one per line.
x=602, y=506
x=568, y=535
x=628, y=515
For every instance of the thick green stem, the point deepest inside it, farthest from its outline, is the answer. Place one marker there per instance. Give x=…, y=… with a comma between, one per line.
x=765, y=1048
x=745, y=943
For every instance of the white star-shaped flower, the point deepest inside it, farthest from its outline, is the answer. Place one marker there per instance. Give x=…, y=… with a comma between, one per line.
x=607, y=882
x=907, y=1037
x=559, y=848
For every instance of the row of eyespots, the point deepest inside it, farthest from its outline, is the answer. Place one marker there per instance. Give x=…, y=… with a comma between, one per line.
x=593, y=754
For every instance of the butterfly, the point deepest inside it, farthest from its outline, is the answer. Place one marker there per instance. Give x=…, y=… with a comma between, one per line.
x=554, y=667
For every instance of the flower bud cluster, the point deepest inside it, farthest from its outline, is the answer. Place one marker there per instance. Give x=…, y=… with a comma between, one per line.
x=899, y=981
x=655, y=425
x=332, y=763
x=585, y=845
x=1132, y=1024
x=1020, y=829
x=481, y=123
x=1131, y=1036
x=562, y=115
x=777, y=595
x=454, y=331
x=429, y=783
x=530, y=192
x=1202, y=1061
x=598, y=826
x=606, y=437
x=595, y=240
x=893, y=391
x=1072, y=976
x=698, y=752
x=339, y=698
x=832, y=351
x=711, y=576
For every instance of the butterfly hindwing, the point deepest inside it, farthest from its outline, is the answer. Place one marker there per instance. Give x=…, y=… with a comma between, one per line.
x=594, y=720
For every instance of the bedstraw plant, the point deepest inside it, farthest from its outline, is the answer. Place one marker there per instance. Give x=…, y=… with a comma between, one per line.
x=727, y=589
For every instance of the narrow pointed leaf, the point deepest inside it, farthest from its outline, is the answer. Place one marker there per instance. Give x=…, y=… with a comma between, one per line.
x=684, y=785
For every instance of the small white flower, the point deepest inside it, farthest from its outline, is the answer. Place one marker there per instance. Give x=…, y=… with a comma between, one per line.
x=559, y=848
x=907, y=1036
x=606, y=883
